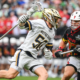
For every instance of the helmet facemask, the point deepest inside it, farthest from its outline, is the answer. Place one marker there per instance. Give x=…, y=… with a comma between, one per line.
x=75, y=25
x=55, y=22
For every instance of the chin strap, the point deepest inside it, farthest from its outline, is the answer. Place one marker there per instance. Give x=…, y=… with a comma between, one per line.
x=76, y=30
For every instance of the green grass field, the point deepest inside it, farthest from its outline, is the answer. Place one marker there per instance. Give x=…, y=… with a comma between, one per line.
x=31, y=78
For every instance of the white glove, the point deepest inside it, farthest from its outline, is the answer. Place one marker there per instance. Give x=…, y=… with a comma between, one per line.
x=48, y=53
x=21, y=21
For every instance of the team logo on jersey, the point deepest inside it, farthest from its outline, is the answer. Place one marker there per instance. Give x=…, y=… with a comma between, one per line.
x=77, y=37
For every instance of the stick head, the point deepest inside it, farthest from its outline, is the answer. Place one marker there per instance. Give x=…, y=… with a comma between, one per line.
x=37, y=6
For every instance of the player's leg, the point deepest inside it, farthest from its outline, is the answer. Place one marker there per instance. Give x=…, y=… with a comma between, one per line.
x=14, y=68
x=68, y=72
x=35, y=66
x=42, y=73
x=72, y=67
x=9, y=74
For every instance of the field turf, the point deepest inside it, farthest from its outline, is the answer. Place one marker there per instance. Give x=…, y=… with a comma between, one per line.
x=31, y=78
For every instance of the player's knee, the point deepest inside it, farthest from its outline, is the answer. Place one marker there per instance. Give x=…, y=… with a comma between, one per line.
x=45, y=74
x=11, y=76
x=67, y=76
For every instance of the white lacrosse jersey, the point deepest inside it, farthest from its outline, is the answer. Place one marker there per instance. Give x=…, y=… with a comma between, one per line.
x=39, y=36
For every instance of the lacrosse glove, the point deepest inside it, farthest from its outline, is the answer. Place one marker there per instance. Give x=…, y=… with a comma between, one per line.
x=76, y=51
x=58, y=52
x=48, y=53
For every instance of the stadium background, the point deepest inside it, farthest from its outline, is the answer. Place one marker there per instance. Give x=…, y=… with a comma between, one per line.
x=10, y=10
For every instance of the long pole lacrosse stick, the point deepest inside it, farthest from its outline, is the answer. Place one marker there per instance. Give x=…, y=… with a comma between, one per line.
x=35, y=7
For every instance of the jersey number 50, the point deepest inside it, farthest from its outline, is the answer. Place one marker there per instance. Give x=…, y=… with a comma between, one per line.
x=40, y=40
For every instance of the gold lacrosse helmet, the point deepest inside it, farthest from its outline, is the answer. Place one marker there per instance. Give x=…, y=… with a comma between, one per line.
x=51, y=15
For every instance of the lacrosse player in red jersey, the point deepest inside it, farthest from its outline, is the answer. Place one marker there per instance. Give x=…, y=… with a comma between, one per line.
x=41, y=33
x=71, y=36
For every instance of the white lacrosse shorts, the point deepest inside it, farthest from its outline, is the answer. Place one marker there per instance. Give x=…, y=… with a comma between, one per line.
x=74, y=61
x=22, y=60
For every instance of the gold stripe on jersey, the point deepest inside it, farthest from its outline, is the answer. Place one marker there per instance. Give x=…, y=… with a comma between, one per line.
x=29, y=25
x=49, y=45
x=17, y=58
x=64, y=40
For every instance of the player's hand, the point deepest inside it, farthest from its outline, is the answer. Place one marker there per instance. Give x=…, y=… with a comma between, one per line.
x=58, y=54
x=76, y=51
x=48, y=53
x=22, y=20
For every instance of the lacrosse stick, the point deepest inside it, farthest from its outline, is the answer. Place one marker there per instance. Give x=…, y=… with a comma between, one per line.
x=69, y=51
x=35, y=7
x=8, y=31
x=66, y=52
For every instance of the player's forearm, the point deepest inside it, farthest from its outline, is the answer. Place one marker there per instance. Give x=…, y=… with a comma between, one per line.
x=62, y=44
x=21, y=24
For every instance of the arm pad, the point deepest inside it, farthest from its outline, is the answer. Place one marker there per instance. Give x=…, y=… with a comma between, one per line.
x=27, y=26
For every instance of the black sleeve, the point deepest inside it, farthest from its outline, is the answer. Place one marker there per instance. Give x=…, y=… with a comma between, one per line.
x=49, y=46
x=64, y=38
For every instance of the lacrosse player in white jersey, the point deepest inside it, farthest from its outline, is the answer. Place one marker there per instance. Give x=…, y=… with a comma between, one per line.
x=41, y=33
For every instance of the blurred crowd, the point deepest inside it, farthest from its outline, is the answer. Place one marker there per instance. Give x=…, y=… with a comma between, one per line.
x=11, y=10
